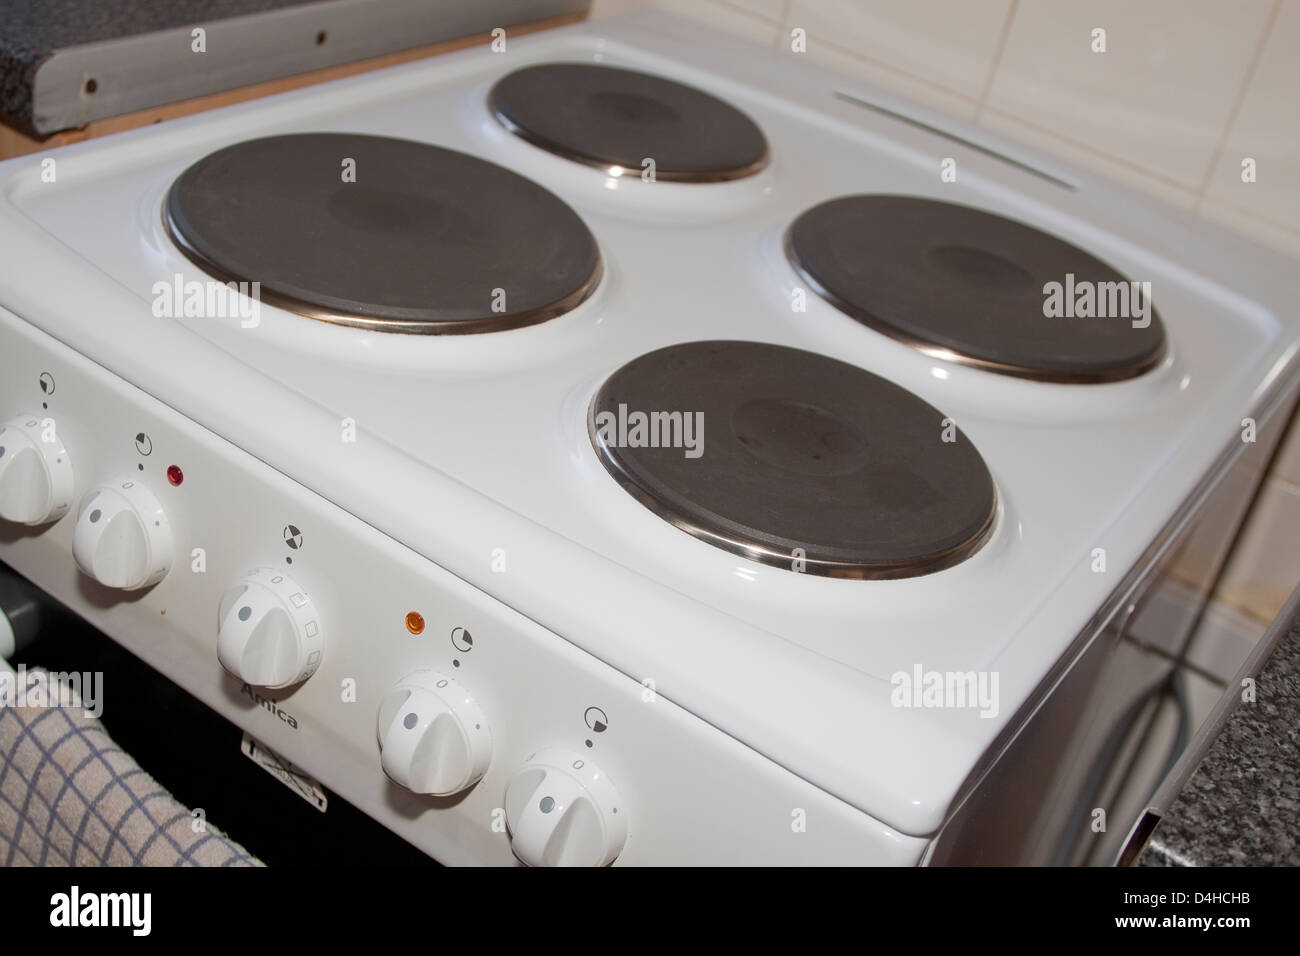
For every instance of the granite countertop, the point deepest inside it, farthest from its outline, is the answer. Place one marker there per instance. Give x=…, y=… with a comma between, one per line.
x=1241, y=805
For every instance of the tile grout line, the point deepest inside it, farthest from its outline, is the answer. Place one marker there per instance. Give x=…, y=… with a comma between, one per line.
x=896, y=71
x=1012, y=10
x=747, y=13
x=1240, y=99
x=1291, y=486
x=787, y=25
x=1197, y=195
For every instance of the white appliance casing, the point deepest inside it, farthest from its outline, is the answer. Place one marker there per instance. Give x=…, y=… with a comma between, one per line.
x=471, y=493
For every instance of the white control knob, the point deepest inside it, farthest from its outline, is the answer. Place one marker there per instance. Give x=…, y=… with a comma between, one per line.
x=35, y=472
x=270, y=634
x=563, y=811
x=432, y=736
x=123, y=538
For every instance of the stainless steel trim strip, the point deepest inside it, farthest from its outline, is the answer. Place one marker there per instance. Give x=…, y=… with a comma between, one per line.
x=152, y=69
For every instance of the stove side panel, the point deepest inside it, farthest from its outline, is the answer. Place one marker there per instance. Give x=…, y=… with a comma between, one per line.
x=1038, y=803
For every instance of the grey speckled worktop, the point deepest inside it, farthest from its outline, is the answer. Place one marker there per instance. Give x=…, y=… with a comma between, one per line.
x=1241, y=807
x=31, y=30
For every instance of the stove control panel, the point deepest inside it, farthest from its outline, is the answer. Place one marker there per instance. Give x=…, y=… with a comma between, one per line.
x=270, y=632
x=36, y=479
x=433, y=706
x=123, y=537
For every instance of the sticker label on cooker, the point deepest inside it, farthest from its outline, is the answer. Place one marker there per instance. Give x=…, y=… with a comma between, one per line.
x=289, y=775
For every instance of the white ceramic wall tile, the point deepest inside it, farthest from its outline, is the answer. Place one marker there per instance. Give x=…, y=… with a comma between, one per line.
x=743, y=21
x=1223, y=639
x=1267, y=130
x=873, y=74
x=1088, y=158
x=752, y=22
x=1161, y=95
x=1287, y=465
x=1252, y=226
x=613, y=8
x=1199, y=562
x=950, y=43
x=1265, y=566
x=768, y=9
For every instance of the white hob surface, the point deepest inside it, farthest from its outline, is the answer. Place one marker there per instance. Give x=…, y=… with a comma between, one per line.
x=472, y=451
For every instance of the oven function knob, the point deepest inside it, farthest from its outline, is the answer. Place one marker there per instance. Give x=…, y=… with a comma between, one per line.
x=36, y=484
x=270, y=633
x=432, y=736
x=123, y=538
x=563, y=811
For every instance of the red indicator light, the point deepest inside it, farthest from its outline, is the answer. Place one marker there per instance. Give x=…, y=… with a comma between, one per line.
x=175, y=475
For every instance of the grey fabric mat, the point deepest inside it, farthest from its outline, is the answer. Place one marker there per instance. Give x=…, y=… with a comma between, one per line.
x=69, y=796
